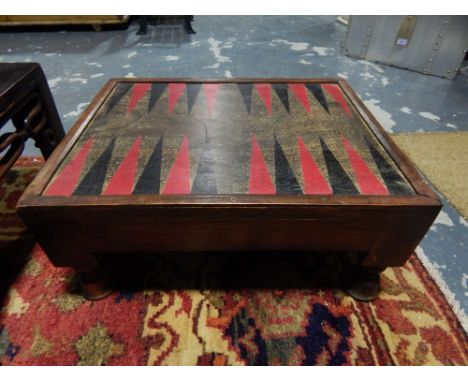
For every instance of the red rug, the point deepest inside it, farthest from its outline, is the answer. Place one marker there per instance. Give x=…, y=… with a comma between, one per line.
x=213, y=310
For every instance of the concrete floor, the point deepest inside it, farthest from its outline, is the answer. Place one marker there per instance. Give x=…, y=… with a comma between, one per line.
x=78, y=63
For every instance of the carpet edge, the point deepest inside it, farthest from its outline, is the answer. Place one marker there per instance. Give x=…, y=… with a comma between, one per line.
x=444, y=288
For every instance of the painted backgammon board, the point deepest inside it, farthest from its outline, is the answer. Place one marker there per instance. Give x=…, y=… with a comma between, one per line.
x=205, y=138
x=249, y=165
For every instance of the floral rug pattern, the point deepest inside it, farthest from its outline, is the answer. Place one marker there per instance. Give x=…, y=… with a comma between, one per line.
x=214, y=310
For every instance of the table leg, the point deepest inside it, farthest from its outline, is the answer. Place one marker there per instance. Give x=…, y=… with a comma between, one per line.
x=95, y=283
x=188, y=25
x=364, y=283
x=49, y=135
x=31, y=122
x=143, y=25
x=65, y=246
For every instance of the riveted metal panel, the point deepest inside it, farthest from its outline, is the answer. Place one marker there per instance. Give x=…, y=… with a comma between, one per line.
x=437, y=45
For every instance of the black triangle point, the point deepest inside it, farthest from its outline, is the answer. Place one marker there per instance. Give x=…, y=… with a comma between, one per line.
x=192, y=92
x=157, y=89
x=282, y=92
x=396, y=185
x=93, y=181
x=246, y=92
x=286, y=182
x=150, y=178
x=340, y=182
x=317, y=92
x=119, y=92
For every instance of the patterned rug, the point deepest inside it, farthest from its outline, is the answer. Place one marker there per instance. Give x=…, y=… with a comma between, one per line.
x=222, y=309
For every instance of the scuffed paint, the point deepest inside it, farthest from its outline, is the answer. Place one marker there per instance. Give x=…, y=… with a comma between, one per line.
x=406, y=110
x=323, y=51
x=215, y=48
x=171, y=58
x=384, y=81
x=75, y=113
x=384, y=117
x=53, y=82
x=80, y=80
x=443, y=218
x=366, y=75
x=296, y=46
x=428, y=115
x=214, y=66
x=369, y=64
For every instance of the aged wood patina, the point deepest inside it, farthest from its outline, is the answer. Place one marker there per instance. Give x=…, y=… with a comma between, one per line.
x=228, y=165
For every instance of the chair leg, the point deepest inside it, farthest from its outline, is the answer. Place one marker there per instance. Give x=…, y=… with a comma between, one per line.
x=143, y=25
x=188, y=25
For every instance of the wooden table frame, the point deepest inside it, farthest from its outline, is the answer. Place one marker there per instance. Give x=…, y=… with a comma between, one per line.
x=27, y=102
x=388, y=228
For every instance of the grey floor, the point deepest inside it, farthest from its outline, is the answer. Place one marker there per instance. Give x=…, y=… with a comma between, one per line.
x=78, y=63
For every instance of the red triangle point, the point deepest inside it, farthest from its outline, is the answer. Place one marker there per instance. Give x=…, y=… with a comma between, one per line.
x=178, y=180
x=300, y=92
x=138, y=91
x=175, y=91
x=211, y=91
x=314, y=181
x=259, y=180
x=64, y=184
x=368, y=183
x=264, y=91
x=123, y=179
x=335, y=92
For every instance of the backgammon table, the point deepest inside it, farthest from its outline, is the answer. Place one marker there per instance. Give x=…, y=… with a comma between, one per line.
x=189, y=165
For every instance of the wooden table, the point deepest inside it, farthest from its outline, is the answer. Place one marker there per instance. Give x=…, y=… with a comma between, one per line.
x=25, y=99
x=228, y=165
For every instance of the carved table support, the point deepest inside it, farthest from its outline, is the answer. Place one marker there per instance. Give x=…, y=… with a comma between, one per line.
x=25, y=99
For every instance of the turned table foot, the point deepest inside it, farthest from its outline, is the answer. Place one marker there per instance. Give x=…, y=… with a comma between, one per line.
x=95, y=283
x=364, y=283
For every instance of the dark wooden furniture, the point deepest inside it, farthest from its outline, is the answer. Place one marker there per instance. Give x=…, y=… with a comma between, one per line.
x=25, y=99
x=97, y=22
x=187, y=24
x=228, y=165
